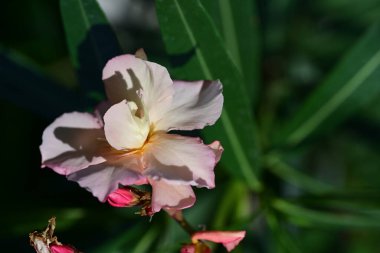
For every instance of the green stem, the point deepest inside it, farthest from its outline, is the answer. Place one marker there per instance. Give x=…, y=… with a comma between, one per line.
x=180, y=219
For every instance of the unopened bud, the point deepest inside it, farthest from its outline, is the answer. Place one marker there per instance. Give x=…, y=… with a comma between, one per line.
x=189, y=248
x=195, y=248
x=123, y=197
x=55, y=248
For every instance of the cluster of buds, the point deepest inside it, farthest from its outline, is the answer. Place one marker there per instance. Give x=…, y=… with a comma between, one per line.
x=128, y=196
x=46, y=242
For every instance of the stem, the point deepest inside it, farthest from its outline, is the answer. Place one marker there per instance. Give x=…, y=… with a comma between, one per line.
x=180, y=219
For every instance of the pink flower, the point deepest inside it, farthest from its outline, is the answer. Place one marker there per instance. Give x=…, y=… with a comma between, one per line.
x=126, y=141
x=229, y=239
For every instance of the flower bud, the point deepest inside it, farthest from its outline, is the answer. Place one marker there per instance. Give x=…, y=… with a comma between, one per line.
x=123, y=197
x=55, y=248
x=188, y=248
x=195, y=248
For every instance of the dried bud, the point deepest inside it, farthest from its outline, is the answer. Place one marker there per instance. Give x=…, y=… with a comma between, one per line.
x=123, y=197
x=146, y=210
x=46, y=242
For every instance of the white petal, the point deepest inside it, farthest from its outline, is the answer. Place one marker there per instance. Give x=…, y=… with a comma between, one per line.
x=104, y=178
x=166, y=195
x=180, y=160
x=194, y=106
x=128, y=77
x=123, y=129
x=72, y=142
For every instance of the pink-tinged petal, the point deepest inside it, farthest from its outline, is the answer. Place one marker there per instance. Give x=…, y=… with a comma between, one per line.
x=229, y=239
x=123, y=197
x=104, y=178
x=218, y=150
x=141, y=181
x=165, y=195
x=128, y=77
x=55, y=248
x=123, y=129
x=72, y=142
x=180, y=160
x=194, y=106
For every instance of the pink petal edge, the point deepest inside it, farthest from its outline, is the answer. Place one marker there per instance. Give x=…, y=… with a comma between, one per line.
x=229, y=239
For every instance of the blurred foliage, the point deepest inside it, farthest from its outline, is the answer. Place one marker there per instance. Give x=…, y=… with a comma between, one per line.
x=301, y=170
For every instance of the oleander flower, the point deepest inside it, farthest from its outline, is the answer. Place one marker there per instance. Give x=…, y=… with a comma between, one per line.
x=229, y=239
x=126, y=140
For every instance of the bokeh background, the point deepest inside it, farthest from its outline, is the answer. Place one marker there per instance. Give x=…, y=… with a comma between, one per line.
x=321, y=194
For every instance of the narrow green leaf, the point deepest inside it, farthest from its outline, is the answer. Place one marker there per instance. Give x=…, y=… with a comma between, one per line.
x=146, y=241
x=238, y=23
x=24, y=84
x=352, y=84
x=90, y=40
x=311, y=218
x=123, y=241
x=193, y=42
x=284, y=240
x=295, y=177
x=232, y=198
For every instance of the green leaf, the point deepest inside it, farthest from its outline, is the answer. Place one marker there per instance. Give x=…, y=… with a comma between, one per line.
x=295, y=177
x=238, y=23
x=193, y=42
x=146, y=241
x=90, y=40
x=311, y=218
x=352, y=84
x=124, y=240
x=24, y=84
x=284, y=240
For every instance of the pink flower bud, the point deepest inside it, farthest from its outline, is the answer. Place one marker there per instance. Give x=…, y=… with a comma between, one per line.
x=123, y=197
x=189, y=248
x=195, y=248
x=55, y=248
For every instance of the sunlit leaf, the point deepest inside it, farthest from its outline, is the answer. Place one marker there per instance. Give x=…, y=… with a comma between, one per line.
x=238, y=23
x=314, y=218
x=90, y=40
x=198, y=53
x=352, y=84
